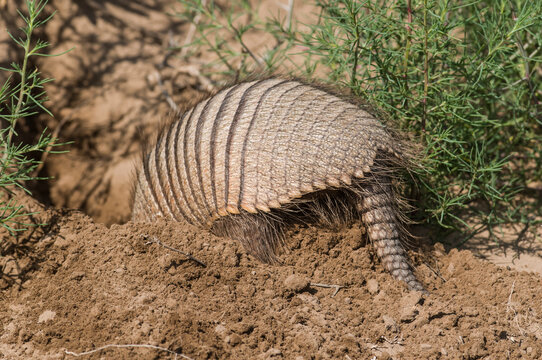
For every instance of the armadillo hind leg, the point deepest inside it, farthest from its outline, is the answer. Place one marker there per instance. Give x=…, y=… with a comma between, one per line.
x=260, y=234
x=379, y=214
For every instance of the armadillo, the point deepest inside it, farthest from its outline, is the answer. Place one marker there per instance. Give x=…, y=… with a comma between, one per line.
x=258, y=156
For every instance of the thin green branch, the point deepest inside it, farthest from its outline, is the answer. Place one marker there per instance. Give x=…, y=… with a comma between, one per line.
x=18, y=101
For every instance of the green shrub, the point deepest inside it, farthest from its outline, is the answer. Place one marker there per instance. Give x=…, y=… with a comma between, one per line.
x=21, y=96
x=464, y=78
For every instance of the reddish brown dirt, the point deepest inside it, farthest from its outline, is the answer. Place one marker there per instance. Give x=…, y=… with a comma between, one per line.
x=76, y=285
x=88, y=286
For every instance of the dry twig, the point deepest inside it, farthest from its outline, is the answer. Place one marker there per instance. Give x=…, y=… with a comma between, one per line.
x=152, y=239
x=146, y=346
x=437, y=273
x=336, y=287
x=191, y=31
x=168, y=97
x=289, y=12
x=194, y=71
x=510, y=307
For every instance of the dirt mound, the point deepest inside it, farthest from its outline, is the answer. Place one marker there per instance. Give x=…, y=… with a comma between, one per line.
x=76, y=285
x=92, y=286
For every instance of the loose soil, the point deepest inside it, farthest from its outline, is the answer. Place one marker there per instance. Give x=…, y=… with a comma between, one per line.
x=91, y=279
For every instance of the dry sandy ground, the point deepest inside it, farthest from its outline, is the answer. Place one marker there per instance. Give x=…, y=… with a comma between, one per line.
x=85, y=281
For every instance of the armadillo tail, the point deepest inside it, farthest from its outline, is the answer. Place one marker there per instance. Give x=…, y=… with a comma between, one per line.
x=394, y=259
x=379, y=213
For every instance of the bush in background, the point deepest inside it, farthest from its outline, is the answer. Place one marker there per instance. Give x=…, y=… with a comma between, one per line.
x=463, y=78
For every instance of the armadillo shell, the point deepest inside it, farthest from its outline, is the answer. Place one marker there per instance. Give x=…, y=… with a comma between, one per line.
x=254, y=147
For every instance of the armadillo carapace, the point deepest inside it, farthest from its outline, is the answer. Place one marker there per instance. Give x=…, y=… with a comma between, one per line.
x=257, y=156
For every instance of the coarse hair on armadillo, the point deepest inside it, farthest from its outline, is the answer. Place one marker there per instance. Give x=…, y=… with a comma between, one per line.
x=258, y=156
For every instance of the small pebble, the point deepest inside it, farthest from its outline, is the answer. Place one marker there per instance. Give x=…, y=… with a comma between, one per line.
x=242, y=328
x=233, y=339
x=271, y=353
x=221, y=330
x=390, y=323
x=409, y=306
x=372, y=286
x=45, y=316
x=439, y=249
x=77, y=276
x=296, y=283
